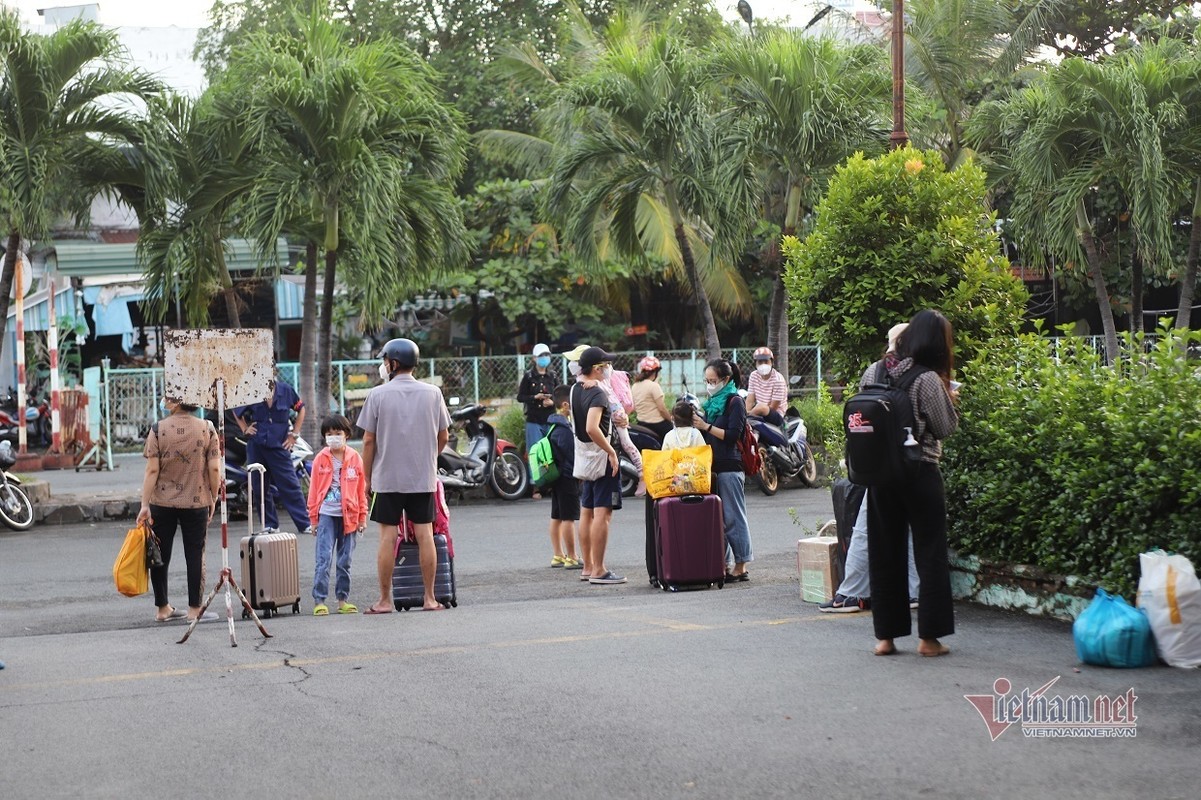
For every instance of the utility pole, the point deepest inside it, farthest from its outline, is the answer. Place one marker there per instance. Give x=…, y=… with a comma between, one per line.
x=898, y=138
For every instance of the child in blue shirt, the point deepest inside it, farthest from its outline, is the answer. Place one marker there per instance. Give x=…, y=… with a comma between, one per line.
x=564, y=492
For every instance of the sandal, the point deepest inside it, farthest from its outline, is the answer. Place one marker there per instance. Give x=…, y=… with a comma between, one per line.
x=348, y=608
x=176, y=613
x=320, y=610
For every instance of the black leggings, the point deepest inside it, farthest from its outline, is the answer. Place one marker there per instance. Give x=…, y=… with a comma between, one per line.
x=919, y=502
x=193, y=524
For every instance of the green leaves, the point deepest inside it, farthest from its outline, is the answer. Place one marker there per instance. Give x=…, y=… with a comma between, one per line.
x=894, y=235
x=1073, y=466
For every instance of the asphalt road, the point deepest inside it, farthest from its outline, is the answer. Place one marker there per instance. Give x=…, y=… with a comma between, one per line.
x=540, y=686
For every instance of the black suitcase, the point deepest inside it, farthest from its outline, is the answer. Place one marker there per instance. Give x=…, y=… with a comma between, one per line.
x=408, y=590
x=847, y=498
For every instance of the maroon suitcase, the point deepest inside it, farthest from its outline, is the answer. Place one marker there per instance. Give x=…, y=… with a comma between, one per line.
x=690, y=541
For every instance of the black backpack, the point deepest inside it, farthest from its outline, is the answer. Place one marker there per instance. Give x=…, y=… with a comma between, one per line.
x=877, y=423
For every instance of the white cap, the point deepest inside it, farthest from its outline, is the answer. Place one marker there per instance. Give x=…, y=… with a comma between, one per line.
x=541, y=350
x=894, y=333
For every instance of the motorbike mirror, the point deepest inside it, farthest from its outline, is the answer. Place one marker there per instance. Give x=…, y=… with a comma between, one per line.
x=454, y=401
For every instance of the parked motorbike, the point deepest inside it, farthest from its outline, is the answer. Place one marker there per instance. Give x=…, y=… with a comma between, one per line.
x=785, y=452
x=487, y=460
x=15, y=508
x=37, y=421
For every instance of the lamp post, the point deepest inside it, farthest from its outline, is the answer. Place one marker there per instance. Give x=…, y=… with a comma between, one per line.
x=898, y=138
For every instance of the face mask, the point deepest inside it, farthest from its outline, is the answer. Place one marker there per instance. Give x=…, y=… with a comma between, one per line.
x=383, y=372
x=335, y=440
x=574, y=368
x=607, y=373
x=162, y=408
x=712, y=388
x=542, y=361
x=764, y=369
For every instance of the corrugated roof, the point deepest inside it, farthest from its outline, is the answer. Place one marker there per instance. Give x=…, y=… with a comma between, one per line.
x=87, y=258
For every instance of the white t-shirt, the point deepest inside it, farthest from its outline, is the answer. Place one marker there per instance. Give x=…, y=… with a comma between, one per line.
x=679, y=438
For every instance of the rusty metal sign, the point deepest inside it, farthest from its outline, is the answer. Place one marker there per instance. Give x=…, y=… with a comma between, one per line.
x=194, y=360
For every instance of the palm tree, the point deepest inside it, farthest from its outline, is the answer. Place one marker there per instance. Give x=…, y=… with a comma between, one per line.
x=353, y=139
x=650, y=150
x=61, y=126
x=810, y=103
x=197, y=169
x=1081, y=124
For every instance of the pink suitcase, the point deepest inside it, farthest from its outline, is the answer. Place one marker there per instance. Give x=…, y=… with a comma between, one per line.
x=270, y=561
x=690, y=542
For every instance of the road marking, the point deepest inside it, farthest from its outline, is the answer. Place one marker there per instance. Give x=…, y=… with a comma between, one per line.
x=660, y=627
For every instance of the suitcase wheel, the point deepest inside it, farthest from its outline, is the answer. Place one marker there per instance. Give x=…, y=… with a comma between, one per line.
x=245, y=614
x=296, y=607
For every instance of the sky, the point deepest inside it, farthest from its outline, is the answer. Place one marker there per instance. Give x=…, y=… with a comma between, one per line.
x=194, y=13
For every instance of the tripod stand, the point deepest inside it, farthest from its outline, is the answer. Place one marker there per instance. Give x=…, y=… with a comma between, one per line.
x=227, y=577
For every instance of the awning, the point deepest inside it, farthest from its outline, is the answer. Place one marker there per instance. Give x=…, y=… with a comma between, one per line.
x=88, y=258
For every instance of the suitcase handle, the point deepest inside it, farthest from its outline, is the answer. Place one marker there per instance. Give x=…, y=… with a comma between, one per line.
x=692, y=499
x=262, y=471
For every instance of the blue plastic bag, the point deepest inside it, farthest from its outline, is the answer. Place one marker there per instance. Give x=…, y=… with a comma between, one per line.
x=1113, y=633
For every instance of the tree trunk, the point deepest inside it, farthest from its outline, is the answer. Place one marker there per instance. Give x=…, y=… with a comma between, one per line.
x=6, y=280
x=1136, y=293
x=228, y=291
x=775, y=309
x=1188, y=282
x=708, y=324
x=1085, y=231
x=308, y=345
x=792, y=218
x=325, y=336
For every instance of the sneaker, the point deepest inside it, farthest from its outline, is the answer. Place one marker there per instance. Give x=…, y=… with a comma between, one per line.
x=841, y=604
x=310, y=531
x=571, y=563
x=608, y=578
x=558, y=561
x=913, y=602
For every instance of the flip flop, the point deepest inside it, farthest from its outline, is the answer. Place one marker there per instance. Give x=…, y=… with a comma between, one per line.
x=439, y=608
x=891, y=651
x=941, y=651
x=374, y=610
x=176, y=613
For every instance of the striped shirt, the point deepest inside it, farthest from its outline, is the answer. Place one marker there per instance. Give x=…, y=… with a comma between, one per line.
x=768, y=390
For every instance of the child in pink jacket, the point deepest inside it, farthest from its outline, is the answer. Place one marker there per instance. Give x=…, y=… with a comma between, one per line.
x=338, y=512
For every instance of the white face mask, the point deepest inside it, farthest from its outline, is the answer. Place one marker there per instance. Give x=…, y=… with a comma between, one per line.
x=607, y=373
x=383, y=372
x=712, y=388
x=574, y=368
x=764, y=369
x=335, y=440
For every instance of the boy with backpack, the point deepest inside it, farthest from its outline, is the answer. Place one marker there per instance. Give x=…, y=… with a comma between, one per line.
x=552, y=461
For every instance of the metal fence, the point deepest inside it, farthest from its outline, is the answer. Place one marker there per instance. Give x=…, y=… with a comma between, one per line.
x=134, y=393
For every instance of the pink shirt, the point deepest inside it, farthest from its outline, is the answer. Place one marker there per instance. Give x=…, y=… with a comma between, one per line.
x=768, y=390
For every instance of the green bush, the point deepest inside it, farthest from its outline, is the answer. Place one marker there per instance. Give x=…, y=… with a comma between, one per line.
x=894, y=235
x=823, y=421
x=1073, y=466
x=511, y=426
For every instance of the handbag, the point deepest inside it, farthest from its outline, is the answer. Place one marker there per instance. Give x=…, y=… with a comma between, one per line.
x=673, y=473
x=591, y=462
x=130, y=572
x=154, y=550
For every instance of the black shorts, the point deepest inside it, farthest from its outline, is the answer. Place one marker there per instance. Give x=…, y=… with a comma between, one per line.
x=388, y=507
x=565, y=499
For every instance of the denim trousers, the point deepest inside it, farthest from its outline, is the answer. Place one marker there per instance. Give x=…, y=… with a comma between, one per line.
x=329, y=539
x=856, y=581
x=731, y=488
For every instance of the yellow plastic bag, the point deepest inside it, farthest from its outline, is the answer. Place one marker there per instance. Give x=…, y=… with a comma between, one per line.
x=130, y=572
x=671, y=473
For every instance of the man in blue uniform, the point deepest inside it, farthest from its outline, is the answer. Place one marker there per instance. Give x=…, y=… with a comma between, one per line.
x=270, y=434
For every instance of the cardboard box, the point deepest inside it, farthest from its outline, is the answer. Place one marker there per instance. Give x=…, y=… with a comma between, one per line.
x=817, y=562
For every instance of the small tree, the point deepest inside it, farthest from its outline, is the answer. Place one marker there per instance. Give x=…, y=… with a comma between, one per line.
x=894, y=235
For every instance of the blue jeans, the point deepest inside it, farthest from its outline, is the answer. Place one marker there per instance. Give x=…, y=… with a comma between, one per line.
x=329, y=538
x=731, y=489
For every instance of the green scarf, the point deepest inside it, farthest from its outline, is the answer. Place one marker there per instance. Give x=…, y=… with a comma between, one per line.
x=715, y=406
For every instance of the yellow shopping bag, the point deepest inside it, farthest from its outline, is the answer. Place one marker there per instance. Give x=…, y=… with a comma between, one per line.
x=130, y=572
x=671, y=473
